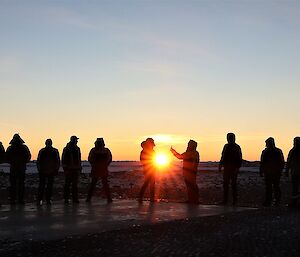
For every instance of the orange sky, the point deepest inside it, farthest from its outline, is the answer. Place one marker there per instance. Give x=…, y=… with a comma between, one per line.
x=128, y=149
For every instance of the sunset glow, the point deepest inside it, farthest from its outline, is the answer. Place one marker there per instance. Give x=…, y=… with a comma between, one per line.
x=169, y=70
x=162, y=160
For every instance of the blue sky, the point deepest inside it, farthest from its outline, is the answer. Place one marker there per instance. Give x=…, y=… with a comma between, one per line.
x=128, y=69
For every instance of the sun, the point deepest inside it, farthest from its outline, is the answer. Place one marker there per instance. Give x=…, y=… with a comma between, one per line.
x=161, y=159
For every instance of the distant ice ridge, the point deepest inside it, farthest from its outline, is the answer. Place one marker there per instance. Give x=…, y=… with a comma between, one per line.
x=86, y=167
x=119, y=166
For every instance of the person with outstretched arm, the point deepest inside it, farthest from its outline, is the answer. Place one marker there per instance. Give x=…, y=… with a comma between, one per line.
x=191, y=160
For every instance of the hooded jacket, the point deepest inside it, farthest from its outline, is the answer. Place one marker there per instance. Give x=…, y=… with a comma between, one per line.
x=272, y=161
x=231, y=155
x=190, y=157
x=17, y=155
x=293, y=161
x=99, y=158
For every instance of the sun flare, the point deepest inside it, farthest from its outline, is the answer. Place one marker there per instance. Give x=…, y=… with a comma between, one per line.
x=161, y=159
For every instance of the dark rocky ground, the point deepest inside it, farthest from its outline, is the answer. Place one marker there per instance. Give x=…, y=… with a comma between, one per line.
x=270, y=232
x=169, y=186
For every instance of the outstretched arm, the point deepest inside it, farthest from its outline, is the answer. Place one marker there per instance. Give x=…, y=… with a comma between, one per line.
x=176, y=154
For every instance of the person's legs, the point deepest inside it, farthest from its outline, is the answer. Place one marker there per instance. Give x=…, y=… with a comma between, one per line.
x=21, y=186
x=234, y=186
x=41, y=187
x=152, y=188
x=75, y=187
x=50, y=180
x=13, y=186
x=106, y=188
x=276, y=186
x=91, y=189
x=187, y=181
x=191, y=185
x=295, y=192
x=195, y=188
x=295, y=182
x=147, y=179
x=226, y=180
x=268, y=194
x=67, y=187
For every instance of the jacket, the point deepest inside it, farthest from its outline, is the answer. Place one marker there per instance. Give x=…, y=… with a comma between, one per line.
x=231, y=155
x=71, y=158
x=272, y=161
x=293, y=161
x=48, y=161
x=147, y=160
x=190, y=159
x=17, y=155
x=99, y=160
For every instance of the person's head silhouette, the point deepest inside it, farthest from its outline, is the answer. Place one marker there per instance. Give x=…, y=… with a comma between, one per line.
x=270, y=142
x=99, y=143
x=297, y=142
x=150, y=142
x=192, y=145
x=74, y=140
x=231, y=138
x=16, y=140
x=144, y=144
x=48, y=142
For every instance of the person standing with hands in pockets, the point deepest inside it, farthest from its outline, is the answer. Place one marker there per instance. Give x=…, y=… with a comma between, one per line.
x=99, y=157
x=71, y=162
x=231, y=161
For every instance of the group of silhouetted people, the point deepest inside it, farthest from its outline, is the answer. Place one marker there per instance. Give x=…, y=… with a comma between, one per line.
x=271, y=167
x=48, y=163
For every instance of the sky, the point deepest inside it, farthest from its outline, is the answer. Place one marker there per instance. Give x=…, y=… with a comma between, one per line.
x=126, y=70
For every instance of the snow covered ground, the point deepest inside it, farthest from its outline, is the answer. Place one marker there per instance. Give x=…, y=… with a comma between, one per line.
x=118, y=166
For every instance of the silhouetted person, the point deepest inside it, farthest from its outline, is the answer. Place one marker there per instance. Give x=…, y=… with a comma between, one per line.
x=2, y=153
x=147, y=159
x=231, y=160
x=99, y=157
x=17, y=155
x=48, y=163
x=190, y=166
x=71, y=162
x=293, y=165
x=271, y=166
